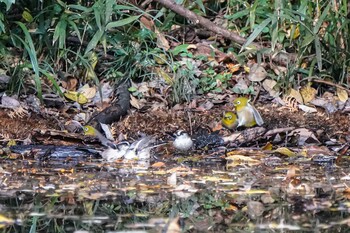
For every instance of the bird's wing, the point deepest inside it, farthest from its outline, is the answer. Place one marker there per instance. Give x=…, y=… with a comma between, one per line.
x=258, y=119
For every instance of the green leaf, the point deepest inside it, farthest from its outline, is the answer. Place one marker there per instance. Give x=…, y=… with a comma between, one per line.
x=274, y=35
x=75, y=29
x=109, y=9
x=52, y=80
x=307, y=40
x=256, y=33
x=318, y=53
x=122, y=22
x=201, y=5
x=132, y=89
x=238, y=15
x=321, y=19
x=179, y=49
x=94, y=41
x=60, y=33
x=29, y=46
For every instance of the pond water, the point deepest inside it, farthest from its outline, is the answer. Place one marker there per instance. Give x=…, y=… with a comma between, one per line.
x=257, y=192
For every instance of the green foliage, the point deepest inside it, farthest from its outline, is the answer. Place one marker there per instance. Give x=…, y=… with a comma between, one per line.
x=316, y=31
x=60, y=35
x=211, y=81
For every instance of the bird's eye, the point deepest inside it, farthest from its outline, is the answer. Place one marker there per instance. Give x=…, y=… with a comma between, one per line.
x=238, y=102
x=86, y=129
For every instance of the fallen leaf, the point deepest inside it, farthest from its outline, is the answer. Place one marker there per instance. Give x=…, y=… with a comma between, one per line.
x=257, y=73
x=158, y=164
x=162, y=42
x=241, y=159
x=76, y=96
x=285, y=151
x=307, y=109
x=296, y=95
x=268, y=146
x=304, y=136
x=270, y=86
x=342, y=94
x=88, y=92
x=308, y=93
x=135, y=102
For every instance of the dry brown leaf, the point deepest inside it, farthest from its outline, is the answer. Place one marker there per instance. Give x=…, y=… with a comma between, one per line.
x=72, y=83
x=269, y=86
x=174, y=226
x=296, y=95
x=279, y=69
x=147, y=22
x=88, y=92
x=134, y=102
x=233, y=68
x=257, y=73
x=158, y=164
x=162, y=42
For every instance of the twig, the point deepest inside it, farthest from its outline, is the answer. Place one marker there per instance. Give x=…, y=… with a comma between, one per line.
x=331, y=84
x=279, y=130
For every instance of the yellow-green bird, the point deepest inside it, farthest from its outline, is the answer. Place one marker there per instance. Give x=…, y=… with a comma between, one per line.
x=91, y=131
x=247, y=115
x=229, y=120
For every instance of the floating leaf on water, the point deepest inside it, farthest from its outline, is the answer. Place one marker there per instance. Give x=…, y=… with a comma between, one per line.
x=342, y=94
x=241, y=159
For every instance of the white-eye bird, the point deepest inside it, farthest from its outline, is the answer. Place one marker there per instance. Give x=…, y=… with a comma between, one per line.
x=229, y=120
x=183, y=141
x=247, y=115
x=91, y=131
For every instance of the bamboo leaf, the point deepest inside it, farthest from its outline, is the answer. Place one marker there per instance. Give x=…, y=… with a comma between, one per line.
x=318, y=52
x=94, y=41
x=256, y=33
x=29, y=46
x=122, y=22
x=321, y=19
